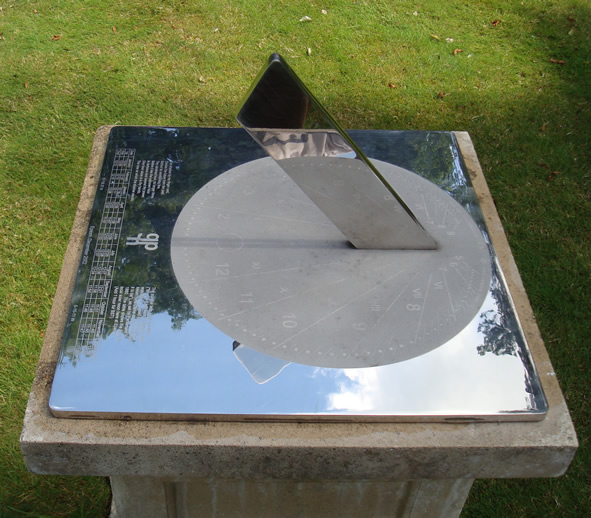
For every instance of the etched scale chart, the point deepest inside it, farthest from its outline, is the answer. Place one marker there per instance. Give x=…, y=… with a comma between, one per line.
x=94, y=309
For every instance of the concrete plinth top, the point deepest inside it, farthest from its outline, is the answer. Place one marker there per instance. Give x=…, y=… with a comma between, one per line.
x=290, y=450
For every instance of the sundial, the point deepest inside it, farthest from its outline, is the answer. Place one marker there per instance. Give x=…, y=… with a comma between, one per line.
x=319, y=255
x=289, y=270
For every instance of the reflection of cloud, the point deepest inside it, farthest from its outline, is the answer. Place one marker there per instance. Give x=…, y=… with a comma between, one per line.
x=452, y=379
x=358, y=393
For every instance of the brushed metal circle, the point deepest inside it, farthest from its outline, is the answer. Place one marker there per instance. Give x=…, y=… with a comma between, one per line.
x=258, y=260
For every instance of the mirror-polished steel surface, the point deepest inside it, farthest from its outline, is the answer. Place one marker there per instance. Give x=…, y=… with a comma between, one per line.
x=134, y=345
x=289, y=123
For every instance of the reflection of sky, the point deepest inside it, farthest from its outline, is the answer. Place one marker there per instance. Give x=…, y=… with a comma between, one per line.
x=451, y=379
x=194, y=370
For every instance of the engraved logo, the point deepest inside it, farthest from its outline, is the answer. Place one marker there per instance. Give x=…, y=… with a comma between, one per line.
x=150, y=242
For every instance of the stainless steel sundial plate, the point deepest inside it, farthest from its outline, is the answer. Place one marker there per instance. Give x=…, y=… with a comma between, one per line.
x=211, y=288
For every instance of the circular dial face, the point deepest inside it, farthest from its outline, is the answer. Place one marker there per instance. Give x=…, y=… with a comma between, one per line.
x=258, y=260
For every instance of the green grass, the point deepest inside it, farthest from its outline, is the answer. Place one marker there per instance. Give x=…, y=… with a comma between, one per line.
x=67, y=67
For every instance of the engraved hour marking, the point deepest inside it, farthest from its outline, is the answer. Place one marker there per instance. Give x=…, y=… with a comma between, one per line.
x=423, y=307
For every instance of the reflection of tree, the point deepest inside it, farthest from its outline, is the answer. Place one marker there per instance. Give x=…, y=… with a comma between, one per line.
x=501, y=332
x=438, y=160
x=435, y=160
x=498, y=337
x=197, y=155
x=433, y=155
x=498, y=326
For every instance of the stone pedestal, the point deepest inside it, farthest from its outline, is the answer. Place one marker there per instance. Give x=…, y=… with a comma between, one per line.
x=272, y=498
x=194, y=469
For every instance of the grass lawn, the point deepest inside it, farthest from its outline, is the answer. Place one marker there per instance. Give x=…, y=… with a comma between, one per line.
x=516, y=74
